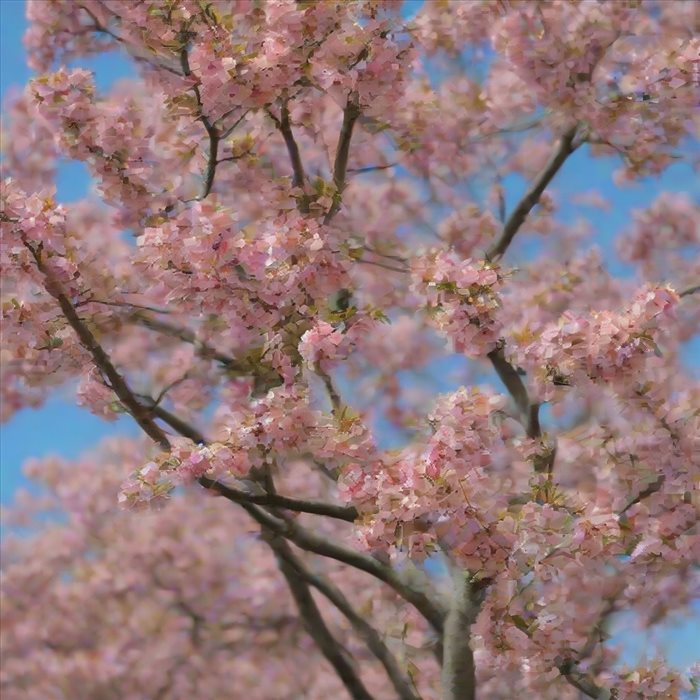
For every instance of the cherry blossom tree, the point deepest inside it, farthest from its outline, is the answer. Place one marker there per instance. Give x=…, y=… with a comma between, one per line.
x=299, y=227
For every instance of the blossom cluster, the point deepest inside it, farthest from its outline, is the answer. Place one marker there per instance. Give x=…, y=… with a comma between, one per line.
x=604, y=347
x=664, y=239
x=462, y=299
x=269, y=431
x=441, y=494
x=469, y=229
x=49, y=250
x=325, y=344
x=576, y=57
x=286, y=262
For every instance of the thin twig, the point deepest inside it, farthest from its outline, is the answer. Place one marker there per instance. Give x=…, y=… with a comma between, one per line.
x=124, y=304
x=371, y=168
x=385, y=266
x=231, y=128
x=188, y=336
x=102, y=29
x=212, y=133
x=374, y=251
x=170, y=385
x=333, y=395
x=648, y=491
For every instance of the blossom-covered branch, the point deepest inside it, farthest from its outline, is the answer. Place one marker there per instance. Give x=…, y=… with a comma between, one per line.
x=99, y=356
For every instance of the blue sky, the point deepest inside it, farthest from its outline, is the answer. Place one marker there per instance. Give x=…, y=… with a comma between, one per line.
x=60, y=427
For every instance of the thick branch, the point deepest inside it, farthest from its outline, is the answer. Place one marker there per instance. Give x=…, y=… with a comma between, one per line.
x=340, y=166
x=89, y=342
x=177, y=424
x=458, y=670
x=331, y=510
x=311, y=542
x=285, y=127
x=529, y=412
x=313, y=621
x=564, y=149
x=371, y=637
x=511, y=379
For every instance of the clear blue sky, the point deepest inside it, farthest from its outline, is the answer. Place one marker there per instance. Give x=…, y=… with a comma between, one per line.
x=60, y=427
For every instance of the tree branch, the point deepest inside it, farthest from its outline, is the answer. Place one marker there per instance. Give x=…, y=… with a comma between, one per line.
x=331, y=510
x=101, y=29
x=458, y=670
x=340, y=166
x=648, y=491
x=311, y=542
x=116, y=382
x=143, y=416
x=371, y=637
x=313, y=620
x=336, y=401
x=177, y=424
x=529, y=412
x=511, y=379
x=582, y=682
x=564, y=149
x=306, y=539
x=371, y=168
x=285, y=127
x=188, y=336
x=690, y=290
x=212, y=133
